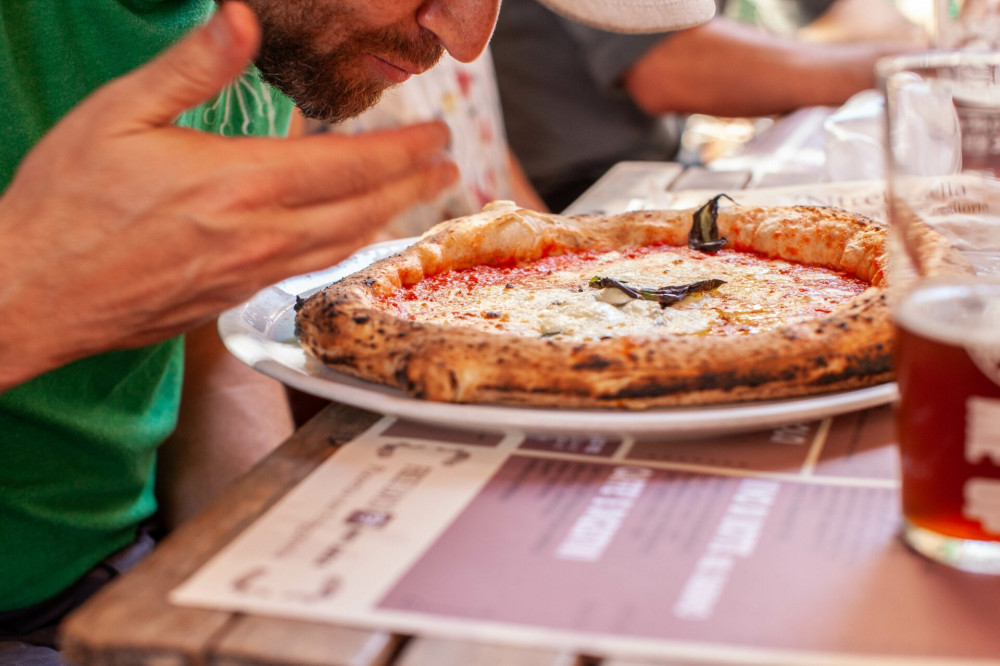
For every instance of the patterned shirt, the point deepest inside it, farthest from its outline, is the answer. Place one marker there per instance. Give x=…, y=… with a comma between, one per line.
x=465, y=97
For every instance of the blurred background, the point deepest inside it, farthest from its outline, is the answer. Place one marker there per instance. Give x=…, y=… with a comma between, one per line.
x=707, y=138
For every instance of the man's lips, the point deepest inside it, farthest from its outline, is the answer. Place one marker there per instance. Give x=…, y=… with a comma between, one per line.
x=394, y=71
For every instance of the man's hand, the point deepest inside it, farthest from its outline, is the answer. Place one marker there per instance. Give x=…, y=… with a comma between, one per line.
x=121, y=230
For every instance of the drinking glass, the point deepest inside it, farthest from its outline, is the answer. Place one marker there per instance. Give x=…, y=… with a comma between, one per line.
x=966, y=24
x=943, y=172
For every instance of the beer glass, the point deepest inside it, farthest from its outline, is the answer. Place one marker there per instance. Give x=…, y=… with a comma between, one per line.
x=943, y=172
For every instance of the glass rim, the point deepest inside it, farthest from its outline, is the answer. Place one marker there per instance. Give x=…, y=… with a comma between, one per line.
x=919, y=60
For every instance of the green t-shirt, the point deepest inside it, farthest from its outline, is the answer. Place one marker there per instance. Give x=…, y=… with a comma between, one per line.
x=77, y=445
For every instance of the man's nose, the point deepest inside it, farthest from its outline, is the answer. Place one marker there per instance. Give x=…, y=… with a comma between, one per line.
x=463, y=26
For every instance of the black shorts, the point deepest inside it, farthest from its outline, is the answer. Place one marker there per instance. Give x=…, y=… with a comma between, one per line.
x=29, y=636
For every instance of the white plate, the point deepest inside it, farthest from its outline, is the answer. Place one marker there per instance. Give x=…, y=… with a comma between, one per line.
x=260, y=332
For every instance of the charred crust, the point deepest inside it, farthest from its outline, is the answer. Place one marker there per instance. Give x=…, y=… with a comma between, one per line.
x=545, y=390
x=726, y=381
x=328, y=309
x=403, y=380
x=592, y=363
x=338, y=359
x=858, y=367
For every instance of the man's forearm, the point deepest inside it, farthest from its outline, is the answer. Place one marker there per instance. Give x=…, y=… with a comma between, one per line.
x=725, y=68
x=30, y=343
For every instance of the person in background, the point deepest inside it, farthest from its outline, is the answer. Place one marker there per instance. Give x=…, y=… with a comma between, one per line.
x=576, y=100
x=144, y=191
x=465, y=97
x=966, y=24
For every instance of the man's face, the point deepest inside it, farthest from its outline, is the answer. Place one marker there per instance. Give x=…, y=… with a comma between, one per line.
x=336, y=57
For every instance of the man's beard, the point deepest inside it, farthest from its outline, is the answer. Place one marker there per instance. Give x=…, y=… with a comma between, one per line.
x=328, y=84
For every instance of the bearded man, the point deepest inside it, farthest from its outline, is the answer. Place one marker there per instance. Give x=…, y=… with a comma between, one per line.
x=141, y=200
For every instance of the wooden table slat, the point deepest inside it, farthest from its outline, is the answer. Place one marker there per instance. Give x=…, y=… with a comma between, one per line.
x=437, y=652
x=266, y=640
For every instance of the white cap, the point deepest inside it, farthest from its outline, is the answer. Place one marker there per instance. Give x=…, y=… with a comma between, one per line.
x=636, y=15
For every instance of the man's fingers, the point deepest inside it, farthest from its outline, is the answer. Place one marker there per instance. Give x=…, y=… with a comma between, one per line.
x=190, y=72
x=270, y=244
x=326, y=167
x=327, y=233
x=367, y=212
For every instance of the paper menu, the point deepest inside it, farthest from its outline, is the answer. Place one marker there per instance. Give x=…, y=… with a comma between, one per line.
x=779, y=550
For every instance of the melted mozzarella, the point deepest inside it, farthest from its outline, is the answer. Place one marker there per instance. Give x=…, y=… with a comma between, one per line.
x=552, y=297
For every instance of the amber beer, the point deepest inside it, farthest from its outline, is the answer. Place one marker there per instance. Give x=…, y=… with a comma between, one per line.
x=948, y=365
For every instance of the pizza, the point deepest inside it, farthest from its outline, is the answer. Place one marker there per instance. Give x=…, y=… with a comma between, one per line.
x=724, y=303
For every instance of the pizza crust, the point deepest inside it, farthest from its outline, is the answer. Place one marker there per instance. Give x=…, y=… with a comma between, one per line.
x=850, y=348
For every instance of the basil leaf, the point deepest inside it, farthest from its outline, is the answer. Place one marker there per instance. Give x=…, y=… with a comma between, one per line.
x=606, y=282
x=704, y=235
x=664, y=295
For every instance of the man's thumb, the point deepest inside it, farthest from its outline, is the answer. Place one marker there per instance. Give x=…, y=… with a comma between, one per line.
x=195, y=69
